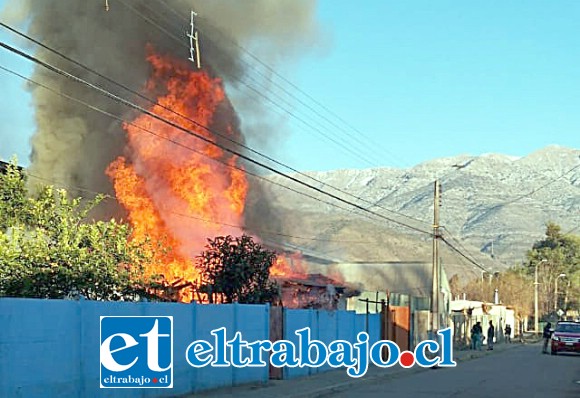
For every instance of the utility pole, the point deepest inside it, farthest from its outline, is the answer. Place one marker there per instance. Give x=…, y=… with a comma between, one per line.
x=194, y=55
x=435, y=272
x=536, y=299
x=442, y=305
x=536, y=295
x=566, y=296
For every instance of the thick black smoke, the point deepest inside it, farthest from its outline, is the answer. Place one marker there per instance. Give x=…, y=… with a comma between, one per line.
x=74, y=145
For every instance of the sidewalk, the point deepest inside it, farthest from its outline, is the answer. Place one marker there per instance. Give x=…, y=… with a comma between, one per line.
x=323, y=384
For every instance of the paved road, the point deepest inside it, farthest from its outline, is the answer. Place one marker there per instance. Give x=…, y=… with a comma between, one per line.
x=518, y=372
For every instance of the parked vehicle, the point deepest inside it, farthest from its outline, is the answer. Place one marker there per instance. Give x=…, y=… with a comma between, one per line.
x=566, y=337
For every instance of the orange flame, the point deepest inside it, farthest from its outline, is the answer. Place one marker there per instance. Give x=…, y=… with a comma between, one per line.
x=289, y=266
x=176, y=188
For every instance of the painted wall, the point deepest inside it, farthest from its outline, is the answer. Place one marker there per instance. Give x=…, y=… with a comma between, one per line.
x=327, y=326
x=50, y=348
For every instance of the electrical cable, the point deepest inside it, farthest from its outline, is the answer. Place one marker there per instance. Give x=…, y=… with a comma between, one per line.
x=257, y=92
x=536, y=190
x=200, y=137
x=458, y=242
x=452, y=247
x=274, y=72
x=193, y=121
x=186, y=147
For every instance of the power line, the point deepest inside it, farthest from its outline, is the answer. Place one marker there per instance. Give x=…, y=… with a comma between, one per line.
x=180, y=214
x=572, y=230
x=176, y=143
x=507, y=203
x=282, y=78
x=352, y=151
x=108, y=196
x=361, y=156
x=462, y=254
x=373, y=204
x=537, y=189
x=261, y=231
x=471, y=260
x=292, y=85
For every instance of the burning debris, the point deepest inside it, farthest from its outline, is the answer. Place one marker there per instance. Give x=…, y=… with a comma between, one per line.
x=314, y=291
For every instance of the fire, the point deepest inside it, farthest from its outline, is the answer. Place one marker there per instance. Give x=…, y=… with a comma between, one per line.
x=177, y=189
x=289, y=266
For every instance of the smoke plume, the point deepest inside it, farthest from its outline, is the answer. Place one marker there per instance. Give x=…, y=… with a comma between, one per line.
x=73, y=145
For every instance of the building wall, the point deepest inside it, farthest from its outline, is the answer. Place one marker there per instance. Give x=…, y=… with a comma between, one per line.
x=50, y=348
x=500, y=315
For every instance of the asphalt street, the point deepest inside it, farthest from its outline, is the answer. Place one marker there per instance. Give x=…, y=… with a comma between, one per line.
x=519, y=372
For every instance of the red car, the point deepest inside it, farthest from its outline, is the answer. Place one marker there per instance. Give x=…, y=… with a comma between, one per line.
x=566, y=337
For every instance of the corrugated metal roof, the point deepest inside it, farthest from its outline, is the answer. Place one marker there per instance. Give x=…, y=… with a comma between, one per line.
x=412, y=278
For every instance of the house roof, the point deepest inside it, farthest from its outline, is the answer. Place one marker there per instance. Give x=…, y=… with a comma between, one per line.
x=413, y=278
x=4, y=166
x=316, y=280
x=404, y=277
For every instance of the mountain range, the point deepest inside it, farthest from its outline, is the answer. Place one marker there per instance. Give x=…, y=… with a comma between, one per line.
x=493, y=208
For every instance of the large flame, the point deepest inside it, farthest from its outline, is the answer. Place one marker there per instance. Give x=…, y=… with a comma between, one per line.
x=289, y=266
x=178, y=189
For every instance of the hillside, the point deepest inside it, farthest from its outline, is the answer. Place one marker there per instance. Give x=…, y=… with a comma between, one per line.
x=495, y=202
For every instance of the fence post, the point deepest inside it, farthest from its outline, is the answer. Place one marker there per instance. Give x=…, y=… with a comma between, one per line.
x=236, y=328
x=267, y=335
x=194, y=333
x=367, y=317
x=275, y=333
x=81, y=326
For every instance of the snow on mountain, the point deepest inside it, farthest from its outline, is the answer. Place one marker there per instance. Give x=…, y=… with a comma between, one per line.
x=490, y=200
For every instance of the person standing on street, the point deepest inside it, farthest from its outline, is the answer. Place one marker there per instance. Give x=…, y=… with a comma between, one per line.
x=476, y=336
x=508, y=333
x=547, y=335
x=490, y=336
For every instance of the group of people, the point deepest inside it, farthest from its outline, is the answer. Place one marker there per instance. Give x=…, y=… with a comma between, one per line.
x=477, y=335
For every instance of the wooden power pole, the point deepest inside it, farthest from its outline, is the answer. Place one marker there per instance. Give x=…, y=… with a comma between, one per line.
x=436, y=272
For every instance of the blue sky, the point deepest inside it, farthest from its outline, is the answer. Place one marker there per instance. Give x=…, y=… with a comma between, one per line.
x=421, y=79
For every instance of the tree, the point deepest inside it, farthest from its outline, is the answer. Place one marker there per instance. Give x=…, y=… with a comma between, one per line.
x=237, y=270
x=455, y=286
x=555, y=255
x=49, y=250
x=515, y=289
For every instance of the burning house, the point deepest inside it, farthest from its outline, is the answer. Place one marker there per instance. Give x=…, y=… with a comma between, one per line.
x=176, y=169
x=314, y=291
x=302, y=284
